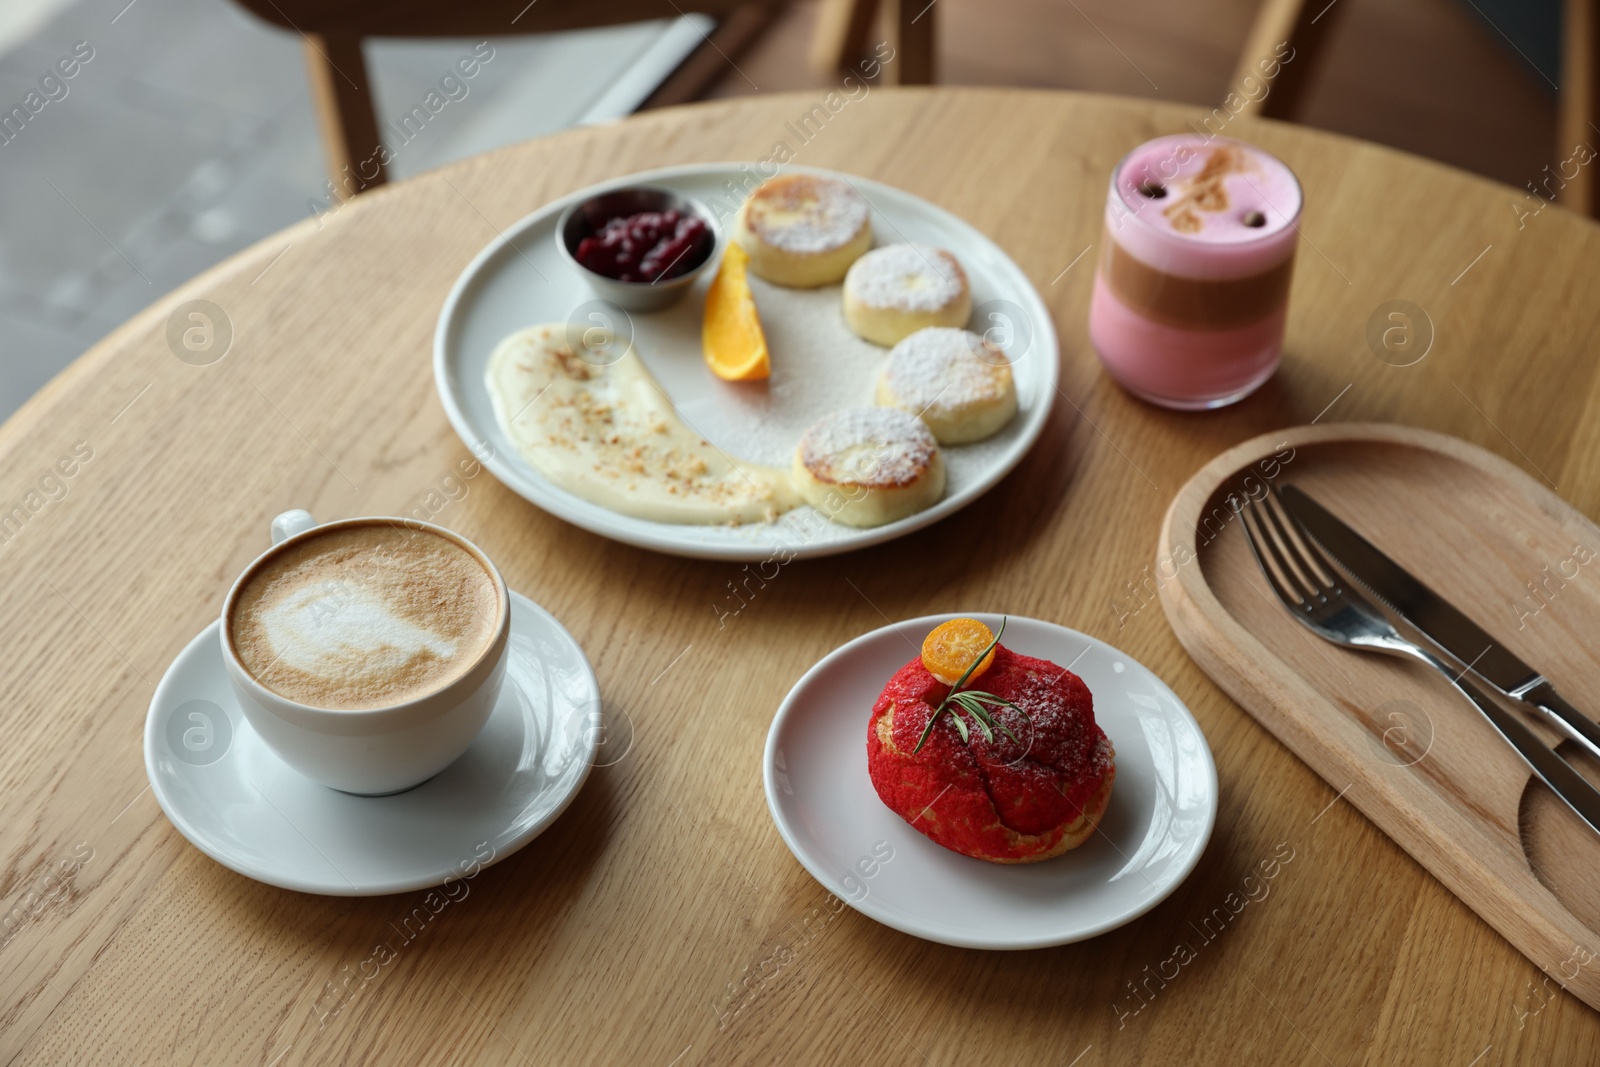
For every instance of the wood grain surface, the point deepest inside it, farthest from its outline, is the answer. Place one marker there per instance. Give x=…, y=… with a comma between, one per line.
x=661, y=921
x=1392, y=737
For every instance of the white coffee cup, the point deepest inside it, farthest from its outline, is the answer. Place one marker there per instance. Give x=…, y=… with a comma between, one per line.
x=378, y=750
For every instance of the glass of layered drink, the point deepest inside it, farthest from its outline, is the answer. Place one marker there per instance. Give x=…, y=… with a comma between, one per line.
x=1192, y=288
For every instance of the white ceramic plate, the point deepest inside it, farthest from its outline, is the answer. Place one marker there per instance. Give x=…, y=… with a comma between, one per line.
x=1162, y=808
x=520, y=280
x=237, y=802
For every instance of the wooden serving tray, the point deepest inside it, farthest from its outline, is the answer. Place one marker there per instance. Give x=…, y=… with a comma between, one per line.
x=1410, y=753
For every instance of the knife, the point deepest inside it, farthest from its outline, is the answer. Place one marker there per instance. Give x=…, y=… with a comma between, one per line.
x=1438, y=620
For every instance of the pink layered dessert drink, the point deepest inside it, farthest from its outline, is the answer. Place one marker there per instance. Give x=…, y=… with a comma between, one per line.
x=1192, y=288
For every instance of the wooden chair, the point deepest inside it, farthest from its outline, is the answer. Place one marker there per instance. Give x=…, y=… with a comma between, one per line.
x=1301, y=24
x=333, y=30
x=1305, y=24
x=843, y=27
x=1578, y=110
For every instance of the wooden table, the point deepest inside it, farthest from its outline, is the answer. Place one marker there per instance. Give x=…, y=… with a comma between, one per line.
x=661, y=920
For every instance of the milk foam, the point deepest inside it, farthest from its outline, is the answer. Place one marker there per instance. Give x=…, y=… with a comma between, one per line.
x=1217, y=240
x=331, y=629
x=364, y=616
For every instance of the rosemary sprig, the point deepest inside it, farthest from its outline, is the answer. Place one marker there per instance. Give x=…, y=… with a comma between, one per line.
x=974, y=702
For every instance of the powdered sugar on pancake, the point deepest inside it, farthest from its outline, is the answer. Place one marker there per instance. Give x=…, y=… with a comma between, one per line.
x=946, y=367
x=878, y=447
x=806, y=214
x=906, y=277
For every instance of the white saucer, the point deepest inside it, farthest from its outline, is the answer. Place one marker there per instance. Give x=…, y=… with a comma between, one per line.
x=1162, y=809
x=237, y=802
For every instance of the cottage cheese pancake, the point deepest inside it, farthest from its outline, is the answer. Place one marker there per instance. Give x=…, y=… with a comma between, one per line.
x=954, y=380
x=804, y=230
x=892, y=292
x=364, y=616
x=869, y=466
x=606, y=432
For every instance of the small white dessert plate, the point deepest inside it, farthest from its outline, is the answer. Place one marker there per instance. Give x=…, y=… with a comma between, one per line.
x=1162, y=809
x=237, y=802
x=819, y=366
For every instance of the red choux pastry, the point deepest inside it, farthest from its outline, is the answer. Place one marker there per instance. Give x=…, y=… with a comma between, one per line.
x=1012, y=799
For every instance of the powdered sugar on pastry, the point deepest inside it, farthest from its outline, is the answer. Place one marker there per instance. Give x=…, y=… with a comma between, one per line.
x=947, y=367
x=907, y=277
x=869, y=466
x=892, y=292
x=806, y=214
x=878, y=447
x=803, y=230
x=957, y=382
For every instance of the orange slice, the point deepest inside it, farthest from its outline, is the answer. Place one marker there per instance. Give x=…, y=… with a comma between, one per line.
x=735, y=347
x=950, y=648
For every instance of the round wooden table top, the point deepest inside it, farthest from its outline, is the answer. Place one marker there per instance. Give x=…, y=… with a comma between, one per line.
x=661, y=920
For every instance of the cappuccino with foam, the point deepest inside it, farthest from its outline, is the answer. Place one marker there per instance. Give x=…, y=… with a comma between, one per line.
x=364, y=616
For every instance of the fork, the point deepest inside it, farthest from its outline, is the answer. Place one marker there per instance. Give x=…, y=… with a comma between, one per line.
x=1312, y=590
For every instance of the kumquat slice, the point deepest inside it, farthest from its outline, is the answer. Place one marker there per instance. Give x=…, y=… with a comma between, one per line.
x=950, y=648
